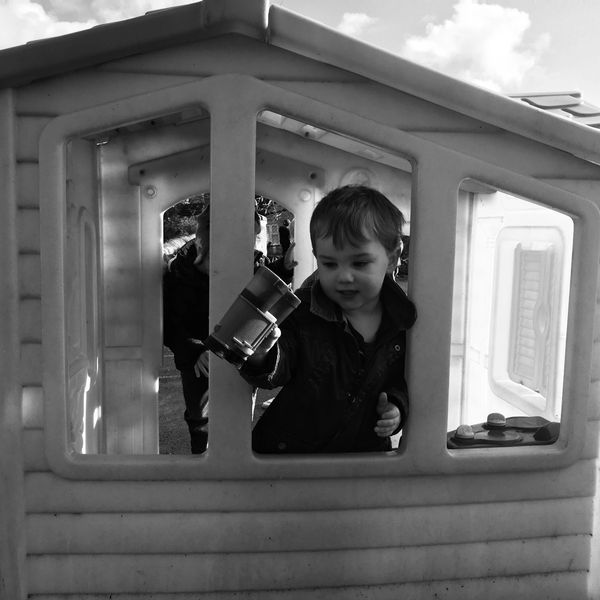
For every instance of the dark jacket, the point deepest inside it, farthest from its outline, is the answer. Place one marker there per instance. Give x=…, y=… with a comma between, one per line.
x=331, y=383
x=185, y=307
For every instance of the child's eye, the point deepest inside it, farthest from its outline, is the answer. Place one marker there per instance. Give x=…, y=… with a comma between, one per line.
x=328, y=265
x=361, y=264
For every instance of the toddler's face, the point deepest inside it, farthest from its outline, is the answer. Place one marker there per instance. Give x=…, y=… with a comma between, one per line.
x=352, y=276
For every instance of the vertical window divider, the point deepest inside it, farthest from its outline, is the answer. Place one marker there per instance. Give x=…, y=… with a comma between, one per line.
x=433, y=232
x=233, y=141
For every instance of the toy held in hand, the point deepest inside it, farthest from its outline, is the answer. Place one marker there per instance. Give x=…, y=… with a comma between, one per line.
x=263, y=304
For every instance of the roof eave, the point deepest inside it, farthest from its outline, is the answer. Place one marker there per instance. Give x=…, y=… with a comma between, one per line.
x=283, y=28
x=155, y=30
x=303, y=36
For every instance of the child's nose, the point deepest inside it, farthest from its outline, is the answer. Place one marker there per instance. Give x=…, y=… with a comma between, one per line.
x=345, y=275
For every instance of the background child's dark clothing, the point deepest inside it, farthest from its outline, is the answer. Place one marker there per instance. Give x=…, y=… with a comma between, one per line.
x=332, y=380
x=185, y=325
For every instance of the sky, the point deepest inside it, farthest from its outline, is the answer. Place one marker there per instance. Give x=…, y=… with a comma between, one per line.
x=509, y=46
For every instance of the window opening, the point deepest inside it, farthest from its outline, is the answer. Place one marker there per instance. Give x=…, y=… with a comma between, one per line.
x=185, y=304
x=183, y=392
x=511, y=293
x=120, y=181
x=298, y=163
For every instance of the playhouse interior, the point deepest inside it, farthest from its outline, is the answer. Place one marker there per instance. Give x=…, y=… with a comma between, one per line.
x=511, y=269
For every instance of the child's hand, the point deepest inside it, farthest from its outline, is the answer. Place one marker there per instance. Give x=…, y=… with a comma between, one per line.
x=261, y=352
x=389, y=416
x=288, y=260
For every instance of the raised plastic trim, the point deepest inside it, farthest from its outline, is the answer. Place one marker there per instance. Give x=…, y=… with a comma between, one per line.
x=425, y=451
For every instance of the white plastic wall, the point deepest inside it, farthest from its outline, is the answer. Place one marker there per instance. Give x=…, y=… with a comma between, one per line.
x=500, y=522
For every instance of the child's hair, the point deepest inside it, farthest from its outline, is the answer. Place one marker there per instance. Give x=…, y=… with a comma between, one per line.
x=353, y=213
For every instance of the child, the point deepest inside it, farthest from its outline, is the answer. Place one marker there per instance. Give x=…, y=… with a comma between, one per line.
x=185, y=319
x=185, y=323
x=340, y=355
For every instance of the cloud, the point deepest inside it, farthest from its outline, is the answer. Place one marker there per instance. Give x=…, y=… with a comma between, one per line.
x=481, y=43
x=104, y=11
x=22, y=21
x=355, y=23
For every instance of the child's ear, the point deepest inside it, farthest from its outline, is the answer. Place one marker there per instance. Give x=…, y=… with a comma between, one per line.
x=394, y=262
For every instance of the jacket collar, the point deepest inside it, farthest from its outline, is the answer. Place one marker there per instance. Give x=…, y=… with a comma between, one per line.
x=400, y=309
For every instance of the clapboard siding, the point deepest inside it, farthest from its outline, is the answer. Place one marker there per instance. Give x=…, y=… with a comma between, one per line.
x=592, y=439
x=28, y=222
x=30, y=275
x=29, y=129
x=176, y=533
x=594, y=403
x=589, y=189
x=545, y=586
x=12, y=538
x=32, y=406
x=34, y=456
x=46, y=492
x=145, y=573
x=595, y=375
x=30, y=371
x=28, y=186
x=595, y=367
x=30, y=323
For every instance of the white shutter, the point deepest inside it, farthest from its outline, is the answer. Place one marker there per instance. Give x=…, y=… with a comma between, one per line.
x=531, y=354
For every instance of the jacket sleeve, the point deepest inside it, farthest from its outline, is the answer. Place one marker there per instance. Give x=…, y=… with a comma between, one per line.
x=397, y=390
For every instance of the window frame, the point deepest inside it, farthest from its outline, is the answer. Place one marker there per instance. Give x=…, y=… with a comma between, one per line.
x=497, y=227
x=437, y=175
x=585, y=217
